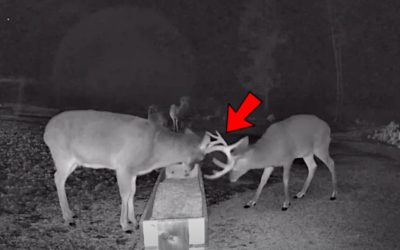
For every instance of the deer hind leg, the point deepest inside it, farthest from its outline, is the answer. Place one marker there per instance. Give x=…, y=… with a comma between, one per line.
x=131, y=204
x=324, y=156
x=264, y=178
x=312, y=166
x=286, y=175
x=63, y=169
x=124, y=180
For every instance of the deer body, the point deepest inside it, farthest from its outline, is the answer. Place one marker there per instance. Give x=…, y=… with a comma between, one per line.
x=299, y=136
x=174, y=114
x=129, y=145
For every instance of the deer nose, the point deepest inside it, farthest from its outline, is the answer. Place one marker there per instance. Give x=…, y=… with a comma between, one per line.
x=233, y=178
x=192, y=165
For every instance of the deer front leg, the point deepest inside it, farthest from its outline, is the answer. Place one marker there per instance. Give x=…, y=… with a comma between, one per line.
x=124, y=180
x=264, y=178
x=286, y=174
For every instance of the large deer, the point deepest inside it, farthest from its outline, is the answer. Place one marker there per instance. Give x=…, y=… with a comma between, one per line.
x=128, y=144
x=299, y=136
x=178, y=112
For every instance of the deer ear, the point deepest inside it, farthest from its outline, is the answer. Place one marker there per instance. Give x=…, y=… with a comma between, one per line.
x=205, y=141
x=241, y=146
x=188, y=131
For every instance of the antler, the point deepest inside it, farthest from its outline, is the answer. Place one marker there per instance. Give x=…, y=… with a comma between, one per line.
x=220, y=145
x=218, y=139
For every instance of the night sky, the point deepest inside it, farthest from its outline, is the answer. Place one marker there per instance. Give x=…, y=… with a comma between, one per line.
x=125, y=55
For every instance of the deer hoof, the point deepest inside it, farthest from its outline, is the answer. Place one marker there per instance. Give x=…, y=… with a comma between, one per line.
x=133, y=225
x=299, y=195
x=333, y=198
x=250, y=204
x=285, y=206
x=75, y=216
x=72, y=224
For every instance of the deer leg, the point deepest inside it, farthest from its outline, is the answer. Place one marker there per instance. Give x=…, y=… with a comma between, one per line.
x=331, y=166
x=324, y=156
x=264, y=178
x=312, y=166
x=131, y=203
x=174, y=126
x=177, y=125
x=124, y=180
x=64, y=169
x=286, y=175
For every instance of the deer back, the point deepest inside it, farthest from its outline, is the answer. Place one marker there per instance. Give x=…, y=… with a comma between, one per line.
x=294, y=137
x=108, y=140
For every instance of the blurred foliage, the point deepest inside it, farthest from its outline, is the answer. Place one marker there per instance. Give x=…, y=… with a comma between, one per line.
x=303, y=65
x=389, y=134
x=260, y=35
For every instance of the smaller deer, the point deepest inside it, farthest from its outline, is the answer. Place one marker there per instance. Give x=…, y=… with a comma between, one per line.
x=156, y=116
x=299, y=136
x=177, y=113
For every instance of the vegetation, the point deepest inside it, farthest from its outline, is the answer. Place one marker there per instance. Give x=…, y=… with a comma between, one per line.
x=389, y=134
x=319, y=52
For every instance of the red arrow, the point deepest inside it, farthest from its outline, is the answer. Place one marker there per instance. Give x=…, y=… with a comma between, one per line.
x=237, y=119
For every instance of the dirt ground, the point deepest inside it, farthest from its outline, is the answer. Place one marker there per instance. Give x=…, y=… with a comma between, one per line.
x=365, y=215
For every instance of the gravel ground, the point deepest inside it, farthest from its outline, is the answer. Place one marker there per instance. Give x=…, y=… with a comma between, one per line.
x=365, y=215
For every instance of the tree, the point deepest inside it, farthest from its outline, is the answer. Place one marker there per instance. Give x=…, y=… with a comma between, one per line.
x=337, y=37
x=260, y=32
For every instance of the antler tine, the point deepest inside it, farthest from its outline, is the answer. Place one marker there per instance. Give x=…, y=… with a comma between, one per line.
x=218, y=140
x=220, y=145
x=212, y=135
x=209, y=134
x=226, y=168
x=219, y=163
x=213, y=148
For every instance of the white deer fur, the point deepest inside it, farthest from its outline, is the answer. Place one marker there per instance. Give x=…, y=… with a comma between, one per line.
x=299, y=136
x=178, y=112
x=128, y=144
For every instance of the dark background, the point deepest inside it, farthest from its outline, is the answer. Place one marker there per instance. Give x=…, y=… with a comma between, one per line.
x=125, y=55
x=335, y=58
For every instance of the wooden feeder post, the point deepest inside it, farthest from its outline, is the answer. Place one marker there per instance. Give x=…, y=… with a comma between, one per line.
x=175, y=217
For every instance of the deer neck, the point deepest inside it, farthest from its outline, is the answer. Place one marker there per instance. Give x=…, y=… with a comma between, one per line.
x=167, y=150
x=262, y=157
x=252, y=159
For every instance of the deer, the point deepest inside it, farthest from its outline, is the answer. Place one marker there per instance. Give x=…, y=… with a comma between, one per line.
x=130, y=145
x=178, y=112
x=299, y=136
x=155, y=116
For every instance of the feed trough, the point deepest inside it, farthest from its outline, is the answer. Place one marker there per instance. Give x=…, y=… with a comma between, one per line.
x=175, y=216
